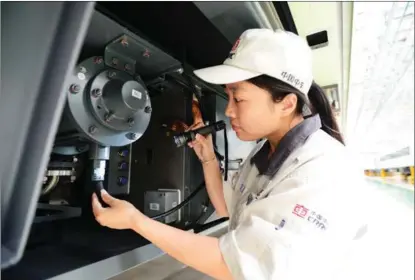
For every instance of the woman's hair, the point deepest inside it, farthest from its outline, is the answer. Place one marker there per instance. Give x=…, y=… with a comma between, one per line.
x=319, y=103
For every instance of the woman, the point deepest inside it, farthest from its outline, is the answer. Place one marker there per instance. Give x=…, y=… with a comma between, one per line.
x=290, y=213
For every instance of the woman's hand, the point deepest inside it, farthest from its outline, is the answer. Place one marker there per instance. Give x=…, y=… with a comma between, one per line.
x=203, y=146
x=119, y=215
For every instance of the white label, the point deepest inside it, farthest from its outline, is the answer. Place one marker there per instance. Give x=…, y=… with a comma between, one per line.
x=136, y=94
x=81, y=76
x=154, y=206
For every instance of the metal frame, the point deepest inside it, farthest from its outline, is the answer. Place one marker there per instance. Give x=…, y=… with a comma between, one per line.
x=41, y=42
x=130, y=262
x=65, y=212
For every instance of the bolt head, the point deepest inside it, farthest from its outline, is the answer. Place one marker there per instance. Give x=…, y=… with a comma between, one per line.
x=96, y=92
x=124, y=42
x=180, y=71
x=127, y=67
x=111, y=74
x=131, y=136
x=130, y=122
x=98, y=60
x=146, y=53
x=147, y=109
x=92, y=129
x=114, y=61
x=107, y=117
x=75, y=88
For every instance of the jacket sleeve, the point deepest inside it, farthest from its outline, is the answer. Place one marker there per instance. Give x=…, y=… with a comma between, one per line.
x=297, y=232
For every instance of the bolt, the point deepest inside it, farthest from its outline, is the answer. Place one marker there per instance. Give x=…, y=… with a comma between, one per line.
x=96, y=92
x=92, y=129
x=147, y=109
x=131, y=135
x=73, y=178
x=82, y=69
x=111, y=74
x=98, y=60
x=114, y=61
x=124, y=42
x=130, y=122
x=108, y=116
x=180, y=71
x=74, y=88
x=75, y=159
x=127, y=67
x=146, y=53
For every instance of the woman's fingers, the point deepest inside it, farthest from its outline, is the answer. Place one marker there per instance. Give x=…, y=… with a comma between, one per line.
x=96, y=205
x=108, y=199
x=195, y=126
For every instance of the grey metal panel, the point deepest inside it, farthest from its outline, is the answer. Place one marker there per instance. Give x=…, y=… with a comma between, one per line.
x=233, y=18
x=40, y=43
x=137, y=262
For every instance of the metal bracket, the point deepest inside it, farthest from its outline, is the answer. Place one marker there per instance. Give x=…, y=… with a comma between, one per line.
x=57, y=212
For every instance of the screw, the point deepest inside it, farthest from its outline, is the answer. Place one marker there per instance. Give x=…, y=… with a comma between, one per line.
x=180, y=71
x=96, y=92
x=75, y=159
x=127, y=67
x=146, y=53
x=74, y=88
x=130, y=122
x=147, y=109
x=124, y=42
x=108, y=116
x=82, y=69
x=114, y=61
x=112, y=74
x=131, y=135
x=98, y=60
x=73, y=178
x=92, y=129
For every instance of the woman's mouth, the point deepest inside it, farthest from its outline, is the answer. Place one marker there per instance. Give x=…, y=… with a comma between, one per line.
x=236, y=128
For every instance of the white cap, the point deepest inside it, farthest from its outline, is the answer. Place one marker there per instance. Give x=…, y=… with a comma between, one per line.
x=279, y=54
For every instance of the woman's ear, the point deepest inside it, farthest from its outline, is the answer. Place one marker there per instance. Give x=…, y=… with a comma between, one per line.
x=289, y=102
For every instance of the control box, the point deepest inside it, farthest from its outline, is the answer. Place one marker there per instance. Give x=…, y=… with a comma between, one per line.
x=119, y=170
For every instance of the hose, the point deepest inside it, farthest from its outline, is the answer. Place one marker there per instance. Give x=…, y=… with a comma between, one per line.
x=181, y=205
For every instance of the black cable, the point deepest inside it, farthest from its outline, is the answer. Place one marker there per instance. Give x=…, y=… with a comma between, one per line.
x=226, y=153
x=182, y=204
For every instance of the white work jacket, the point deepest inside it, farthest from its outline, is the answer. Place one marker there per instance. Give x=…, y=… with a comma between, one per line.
x=298, y=223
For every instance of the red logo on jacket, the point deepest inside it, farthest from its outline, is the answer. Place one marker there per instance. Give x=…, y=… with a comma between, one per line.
x=300, y=211
x=235, y=46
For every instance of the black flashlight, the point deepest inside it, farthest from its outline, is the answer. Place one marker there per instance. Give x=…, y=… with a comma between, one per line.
x=189, y=136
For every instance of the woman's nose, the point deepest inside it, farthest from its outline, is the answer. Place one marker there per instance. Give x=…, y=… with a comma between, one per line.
x=230, y=110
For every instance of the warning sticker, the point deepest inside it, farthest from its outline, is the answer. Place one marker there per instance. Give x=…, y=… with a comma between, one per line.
x=154, y=206
x=137, y=94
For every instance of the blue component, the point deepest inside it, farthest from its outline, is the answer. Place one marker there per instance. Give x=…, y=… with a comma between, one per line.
x=123, y=152
x=122, y=180
x=123, y=165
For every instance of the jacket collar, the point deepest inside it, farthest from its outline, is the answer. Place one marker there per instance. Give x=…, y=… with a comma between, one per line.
x=294, y=139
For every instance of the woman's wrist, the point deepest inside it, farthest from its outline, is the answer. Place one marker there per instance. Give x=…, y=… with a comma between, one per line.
x=208, y=160
x=136, y=220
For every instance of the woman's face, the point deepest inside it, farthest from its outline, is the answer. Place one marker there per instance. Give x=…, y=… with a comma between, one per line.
x=252, y=112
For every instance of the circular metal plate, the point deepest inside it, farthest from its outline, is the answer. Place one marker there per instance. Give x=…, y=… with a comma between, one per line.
x=85, y=117
x=121, y=102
